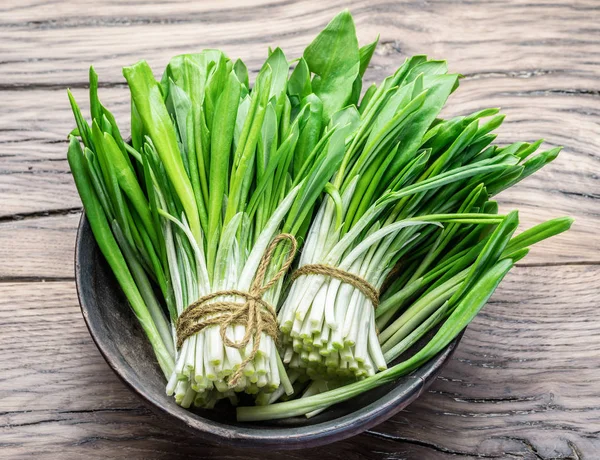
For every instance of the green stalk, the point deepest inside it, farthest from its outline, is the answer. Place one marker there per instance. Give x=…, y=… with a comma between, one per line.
x=145, y=288
x=146, y=94
x=110, y=249
x=130, y=185
x=221, y=140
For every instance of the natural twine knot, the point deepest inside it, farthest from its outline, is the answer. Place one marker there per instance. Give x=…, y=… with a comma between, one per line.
x=358, y=282
x=254, y=313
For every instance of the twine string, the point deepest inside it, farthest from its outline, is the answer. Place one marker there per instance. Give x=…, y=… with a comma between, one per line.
x=254, y=313
x=369, y=291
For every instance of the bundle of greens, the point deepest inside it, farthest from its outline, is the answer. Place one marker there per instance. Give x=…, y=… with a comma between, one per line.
x=451, y=292
x=200, y=214
x=194, y=202
x=403, y=168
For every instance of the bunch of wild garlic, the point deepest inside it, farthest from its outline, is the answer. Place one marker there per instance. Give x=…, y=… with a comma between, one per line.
x=199, y=215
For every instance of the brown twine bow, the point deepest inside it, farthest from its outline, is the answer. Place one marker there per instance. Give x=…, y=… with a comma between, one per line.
x=358, y=282
x=201, y=313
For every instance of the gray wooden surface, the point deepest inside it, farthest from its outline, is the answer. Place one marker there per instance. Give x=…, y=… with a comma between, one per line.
x=524, y=383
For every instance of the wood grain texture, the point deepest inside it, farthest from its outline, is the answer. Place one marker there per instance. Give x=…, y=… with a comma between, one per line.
x=39, y=248
x=523, y=383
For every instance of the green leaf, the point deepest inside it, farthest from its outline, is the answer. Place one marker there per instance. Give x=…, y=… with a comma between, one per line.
x=129, y=184
x=190, y=71
x=242, y=114
x=214, y=86
x=95, y=106
x=299, y=86
x=280, y=69
x=538, y=233
x=137, y=129
x=321, y=172
x=82, y=126
x=464, y=312
x=241, y=71
x=437, y=94
x=268, y=141
x=109, y=248
x=107, y=170
x=347, y=119
x=243, y=158
x=147, y=96
x=180, y=105
x=220, y=154
x=365, y=55
x=310, y=132
x=428, y=68
x=334, y=58
x=489, y=255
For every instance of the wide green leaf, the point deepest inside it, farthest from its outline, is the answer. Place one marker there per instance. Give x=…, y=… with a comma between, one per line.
x=334, y=58
x=148, y=99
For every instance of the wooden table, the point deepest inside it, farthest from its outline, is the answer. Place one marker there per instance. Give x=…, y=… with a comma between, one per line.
x=524, y=383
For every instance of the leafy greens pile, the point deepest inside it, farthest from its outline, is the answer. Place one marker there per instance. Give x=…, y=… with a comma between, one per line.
x=378, y=187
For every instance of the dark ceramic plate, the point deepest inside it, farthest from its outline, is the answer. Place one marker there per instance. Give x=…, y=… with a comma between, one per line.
x=121, y=341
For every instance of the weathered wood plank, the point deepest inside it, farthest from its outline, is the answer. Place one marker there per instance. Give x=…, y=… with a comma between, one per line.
x=521, y=385
x=34, y=174
x=560, y=37
x=39, y=248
